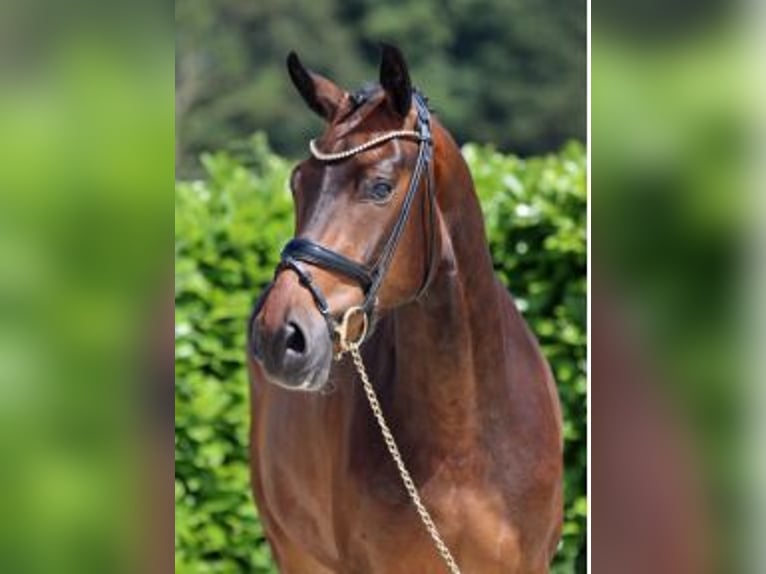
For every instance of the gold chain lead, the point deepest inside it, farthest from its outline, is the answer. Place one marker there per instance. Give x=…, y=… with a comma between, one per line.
x=388, y=437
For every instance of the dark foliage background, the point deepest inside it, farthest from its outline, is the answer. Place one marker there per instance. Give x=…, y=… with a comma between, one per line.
x=510, y=73
x=229, y=230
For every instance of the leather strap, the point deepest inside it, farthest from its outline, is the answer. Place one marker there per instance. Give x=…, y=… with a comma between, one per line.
x=303, y=249
x=424, y=155
x=429, y=202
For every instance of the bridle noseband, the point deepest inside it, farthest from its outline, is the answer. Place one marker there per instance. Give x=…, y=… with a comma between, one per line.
x=370, y=278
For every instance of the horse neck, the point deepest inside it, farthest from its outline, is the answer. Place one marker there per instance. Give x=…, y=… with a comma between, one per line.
x=445, y=343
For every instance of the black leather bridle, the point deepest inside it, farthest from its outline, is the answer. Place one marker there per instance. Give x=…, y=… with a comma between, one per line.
x=370, y=278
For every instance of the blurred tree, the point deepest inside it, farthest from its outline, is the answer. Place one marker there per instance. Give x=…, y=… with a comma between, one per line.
x=507, y=72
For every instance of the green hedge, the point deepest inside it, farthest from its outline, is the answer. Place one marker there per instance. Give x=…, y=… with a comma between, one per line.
x=229, y=230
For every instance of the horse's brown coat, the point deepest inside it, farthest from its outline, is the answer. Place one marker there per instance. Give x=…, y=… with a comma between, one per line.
x=461, y=379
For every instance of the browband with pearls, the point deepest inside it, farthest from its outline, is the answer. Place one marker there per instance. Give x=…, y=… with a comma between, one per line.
x=376, y=141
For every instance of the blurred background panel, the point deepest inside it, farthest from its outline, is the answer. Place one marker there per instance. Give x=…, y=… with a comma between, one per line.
x=509, y=73
x=86, y=179
x=673, y=127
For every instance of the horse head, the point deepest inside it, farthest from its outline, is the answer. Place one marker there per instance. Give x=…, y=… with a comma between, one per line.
x=365, y=236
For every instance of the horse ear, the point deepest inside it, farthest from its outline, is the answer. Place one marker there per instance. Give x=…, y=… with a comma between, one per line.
x=395, y=78
x=322, y=95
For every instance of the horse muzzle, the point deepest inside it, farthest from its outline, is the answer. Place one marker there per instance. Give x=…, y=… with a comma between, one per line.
x=295, y=351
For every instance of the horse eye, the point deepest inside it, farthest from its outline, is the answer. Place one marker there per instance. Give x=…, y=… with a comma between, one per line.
x=380, y=190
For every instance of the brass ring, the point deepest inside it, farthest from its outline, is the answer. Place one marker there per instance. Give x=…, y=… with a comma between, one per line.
x=342, y=329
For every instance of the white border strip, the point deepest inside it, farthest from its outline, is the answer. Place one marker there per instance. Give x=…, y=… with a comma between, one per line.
x=589, y=291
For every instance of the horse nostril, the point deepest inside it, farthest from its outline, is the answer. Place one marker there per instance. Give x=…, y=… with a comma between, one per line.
x=295, y=341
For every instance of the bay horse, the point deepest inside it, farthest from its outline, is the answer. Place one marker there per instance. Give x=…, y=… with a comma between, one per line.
x=388, y=226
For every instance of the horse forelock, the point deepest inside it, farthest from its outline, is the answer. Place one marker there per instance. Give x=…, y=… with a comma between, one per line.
x=357, y=113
